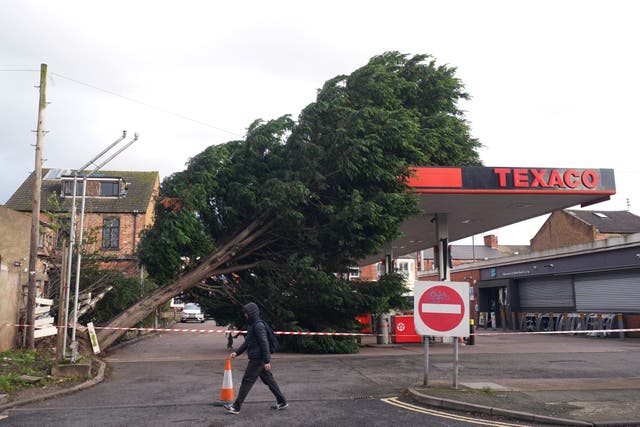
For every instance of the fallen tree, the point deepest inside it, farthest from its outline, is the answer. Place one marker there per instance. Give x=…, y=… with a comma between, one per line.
x=317, y=194
x=207, y=268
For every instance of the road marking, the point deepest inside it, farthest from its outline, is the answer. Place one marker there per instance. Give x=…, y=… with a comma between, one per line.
x=394, y=401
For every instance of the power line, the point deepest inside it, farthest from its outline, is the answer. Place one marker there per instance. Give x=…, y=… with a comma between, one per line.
x=154, y=107
x=20, y=69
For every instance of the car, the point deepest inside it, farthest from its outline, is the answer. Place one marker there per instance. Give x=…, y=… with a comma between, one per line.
x=192, y=311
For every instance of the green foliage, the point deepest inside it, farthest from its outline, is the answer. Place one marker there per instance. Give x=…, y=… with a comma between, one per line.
x=329, y=189
x=387, y=294
x=296, y=297
x=15, y=363
x=321, y=344
x=126, y=290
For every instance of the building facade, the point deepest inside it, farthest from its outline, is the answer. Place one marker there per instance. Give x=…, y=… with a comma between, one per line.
x=14, y=270
x=574, y=227
x=584, y=285
x=119, y=205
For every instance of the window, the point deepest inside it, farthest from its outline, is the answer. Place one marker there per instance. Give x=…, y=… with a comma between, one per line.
x=110, y=189
x=67, y=188
x=354, y=272
x=403, y=269
x=110, y=233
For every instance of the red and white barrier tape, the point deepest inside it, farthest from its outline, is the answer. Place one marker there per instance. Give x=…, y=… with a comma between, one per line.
x=233, y=331
x=215, y=331
x=340, y=334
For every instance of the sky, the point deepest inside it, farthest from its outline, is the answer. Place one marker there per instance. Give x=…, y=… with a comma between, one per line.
x=552, y=83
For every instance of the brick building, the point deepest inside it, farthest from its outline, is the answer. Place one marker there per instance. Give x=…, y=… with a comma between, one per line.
x=118, y=206
x=575, y=227
x=14, y=264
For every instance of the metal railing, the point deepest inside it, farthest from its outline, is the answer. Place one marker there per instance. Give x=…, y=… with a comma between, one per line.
x=539, y=322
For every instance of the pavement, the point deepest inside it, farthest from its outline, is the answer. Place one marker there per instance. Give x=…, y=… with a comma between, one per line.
x=558, y=402
x=604, y=398
x=556, y=380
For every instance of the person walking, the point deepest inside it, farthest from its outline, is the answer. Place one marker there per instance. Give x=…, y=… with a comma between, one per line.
x=256, y=344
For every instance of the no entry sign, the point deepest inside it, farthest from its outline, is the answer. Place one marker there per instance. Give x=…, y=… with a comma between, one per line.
x=441, y=308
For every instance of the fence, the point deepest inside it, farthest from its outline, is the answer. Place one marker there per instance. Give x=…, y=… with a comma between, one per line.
x=599, y=322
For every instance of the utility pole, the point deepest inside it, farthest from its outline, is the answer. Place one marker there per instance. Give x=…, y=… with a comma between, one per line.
x=74, y=343
x=35, y=212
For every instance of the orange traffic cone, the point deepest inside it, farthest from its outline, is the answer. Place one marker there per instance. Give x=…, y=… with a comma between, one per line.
x=226, y=395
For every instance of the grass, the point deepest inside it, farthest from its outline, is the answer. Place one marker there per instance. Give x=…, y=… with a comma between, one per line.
x=16, y=363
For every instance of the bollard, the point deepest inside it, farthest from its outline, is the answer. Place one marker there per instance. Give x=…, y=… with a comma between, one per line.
x=472, y=332
x=620, y=326
x=383, y=330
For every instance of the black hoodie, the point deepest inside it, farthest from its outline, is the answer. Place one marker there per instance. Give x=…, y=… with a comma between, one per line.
x=256, y=343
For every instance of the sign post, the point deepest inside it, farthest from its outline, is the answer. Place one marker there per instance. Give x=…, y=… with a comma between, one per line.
x=441, y=309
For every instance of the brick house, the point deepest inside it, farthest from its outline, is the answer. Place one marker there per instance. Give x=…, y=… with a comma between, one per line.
x=410, y=266
x=14, y=265
x=574, y=227
x=15, y=229
x=118, y=206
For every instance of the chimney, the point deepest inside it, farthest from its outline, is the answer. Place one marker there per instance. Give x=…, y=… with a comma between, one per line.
x=491, y=241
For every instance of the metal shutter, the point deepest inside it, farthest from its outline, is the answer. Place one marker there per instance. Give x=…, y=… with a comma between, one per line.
x=612, y=292
x=541, y=293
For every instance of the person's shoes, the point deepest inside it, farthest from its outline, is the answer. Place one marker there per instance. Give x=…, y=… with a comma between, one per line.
x=231, y=409
x=278, y=406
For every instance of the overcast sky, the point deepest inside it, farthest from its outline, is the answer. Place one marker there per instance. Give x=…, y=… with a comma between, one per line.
x=553, y=83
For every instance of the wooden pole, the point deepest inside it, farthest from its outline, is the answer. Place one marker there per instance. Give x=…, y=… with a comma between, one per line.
x=35, y=212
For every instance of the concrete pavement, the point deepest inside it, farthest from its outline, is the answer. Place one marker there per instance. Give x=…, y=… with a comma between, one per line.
x=561, y=380
x=599, y=395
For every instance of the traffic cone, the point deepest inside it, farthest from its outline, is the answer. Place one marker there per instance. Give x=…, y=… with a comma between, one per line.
x=226, y=394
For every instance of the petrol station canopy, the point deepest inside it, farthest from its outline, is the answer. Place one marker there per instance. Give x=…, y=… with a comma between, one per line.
x=479, y=199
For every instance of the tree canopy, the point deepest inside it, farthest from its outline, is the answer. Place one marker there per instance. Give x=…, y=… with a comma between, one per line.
x=317, y=193
x=333, y=181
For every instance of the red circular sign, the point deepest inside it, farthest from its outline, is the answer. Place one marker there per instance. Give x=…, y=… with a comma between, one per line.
x=441, y=308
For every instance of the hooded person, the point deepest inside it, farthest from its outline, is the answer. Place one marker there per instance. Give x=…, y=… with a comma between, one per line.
x=256, y=344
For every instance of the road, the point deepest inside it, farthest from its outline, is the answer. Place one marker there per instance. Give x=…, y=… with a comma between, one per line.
x=174, y=378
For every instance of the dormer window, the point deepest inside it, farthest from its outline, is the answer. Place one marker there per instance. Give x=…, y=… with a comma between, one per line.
x=97, y=186
x=67, y=188
x=110, y=189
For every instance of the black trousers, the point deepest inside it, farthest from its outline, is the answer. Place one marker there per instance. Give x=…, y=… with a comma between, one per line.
x=255, y=369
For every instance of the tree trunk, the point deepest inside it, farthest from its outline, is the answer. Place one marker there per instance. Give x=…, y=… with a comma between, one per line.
x=236, y=248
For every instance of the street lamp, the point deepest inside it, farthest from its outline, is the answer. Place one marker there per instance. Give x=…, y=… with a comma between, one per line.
x=74, y=343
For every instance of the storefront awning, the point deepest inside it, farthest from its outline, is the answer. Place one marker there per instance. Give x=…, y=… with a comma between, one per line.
x=479, y=199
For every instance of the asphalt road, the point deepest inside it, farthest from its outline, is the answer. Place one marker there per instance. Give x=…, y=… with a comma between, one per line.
x=174, y=379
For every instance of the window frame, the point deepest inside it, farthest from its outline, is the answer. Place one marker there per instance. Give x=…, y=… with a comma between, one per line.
x=114, y=185
x=110, y=230
x=67, y=188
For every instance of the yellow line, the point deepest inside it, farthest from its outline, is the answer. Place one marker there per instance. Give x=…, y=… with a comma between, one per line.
x=394, y=401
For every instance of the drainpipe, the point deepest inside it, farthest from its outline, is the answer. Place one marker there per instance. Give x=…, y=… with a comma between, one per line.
x=135, y=229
